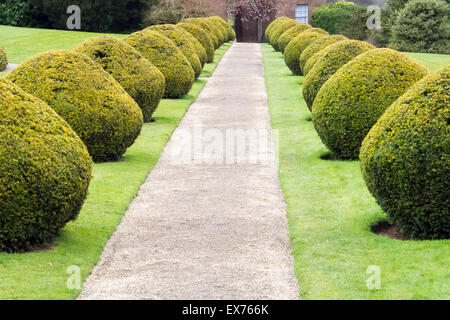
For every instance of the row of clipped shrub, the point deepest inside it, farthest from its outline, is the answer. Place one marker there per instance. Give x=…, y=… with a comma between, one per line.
x=385, y=108
x=3, y=59
x=61, y=109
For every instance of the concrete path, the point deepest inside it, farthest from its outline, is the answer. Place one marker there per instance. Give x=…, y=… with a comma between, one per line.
x=211, y=229
x=10, y=67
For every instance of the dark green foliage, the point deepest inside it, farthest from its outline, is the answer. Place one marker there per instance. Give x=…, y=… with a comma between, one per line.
x=405, y=159
x=98, y=15
x=168, y=58
x=97, y=108
x=343, y=18
x=45, y=171
x=422, y=26
x=138, y=76
x=354, y=98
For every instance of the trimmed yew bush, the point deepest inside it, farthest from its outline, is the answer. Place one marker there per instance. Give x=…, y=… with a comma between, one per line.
x=138, y=76
x=100, y=111
x=216, y=29
x=3, y=59
x=330, y=60
x=315, y=47
x=45, y=171
x=230, y=32
x=206, y=27
x=202, y=36
x=281, y=28
x=405, y=159
x=354, y=98
x=219, y=26
x=272, y=25
x=191, y=48
x=295, y=48
x=290, y=34
x=168, y=58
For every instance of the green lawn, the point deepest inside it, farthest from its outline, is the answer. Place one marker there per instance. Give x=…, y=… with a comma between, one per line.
x=42, y=275
x=430, y=60
x=330, y=211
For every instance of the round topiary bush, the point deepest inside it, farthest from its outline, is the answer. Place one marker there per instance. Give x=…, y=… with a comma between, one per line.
x=295, y=48
x=45, y=171
x=405, y=159
x=138, y=76
x=290, y=34
x=3, y=59
x=227, y=26
x=219, y=26
x=272, y=25
x=281, y=28
x=206, y=27
x=219, y=32
x=330, y=60
x=187, y=44
x=354, y=98
x=97, y=108
x=202, y=36
x=168, y=58
x=315, y=47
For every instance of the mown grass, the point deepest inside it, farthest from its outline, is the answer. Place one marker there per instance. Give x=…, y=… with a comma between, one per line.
x=43, y=274
x=330, y=211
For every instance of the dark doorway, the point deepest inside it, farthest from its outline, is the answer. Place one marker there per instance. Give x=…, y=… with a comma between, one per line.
x=250, y=31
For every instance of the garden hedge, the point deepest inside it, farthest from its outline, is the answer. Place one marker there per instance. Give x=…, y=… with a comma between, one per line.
x=354, y=98
x=405, y=159
x=315, y=47
x=202, y=36
x=138, y=76
x=295, y=48
x=45, y=170
x=290, y=34
x=277, y=31
x=168, y=58
x=97, y=108
x=227, y=26
x=206, y=27
x=219, y=26
x=422, y=26
x=272, y=25
x=218, y=31
x=3, y=59
x=330, y=60
x=191, y=48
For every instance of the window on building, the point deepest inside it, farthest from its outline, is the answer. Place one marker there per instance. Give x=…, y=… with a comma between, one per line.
x=301, y=13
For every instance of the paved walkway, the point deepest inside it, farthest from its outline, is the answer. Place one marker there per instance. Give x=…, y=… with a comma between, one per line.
x=206, y=231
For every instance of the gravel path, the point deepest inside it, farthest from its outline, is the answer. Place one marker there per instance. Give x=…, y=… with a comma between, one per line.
x=202, y=230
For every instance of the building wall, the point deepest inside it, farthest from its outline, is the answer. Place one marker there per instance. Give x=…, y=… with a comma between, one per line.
x=287, y=7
